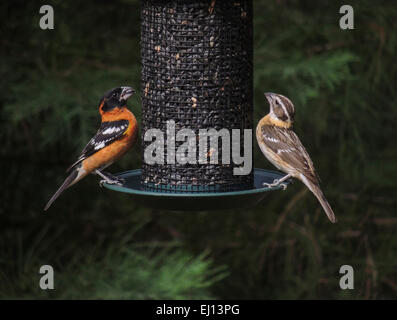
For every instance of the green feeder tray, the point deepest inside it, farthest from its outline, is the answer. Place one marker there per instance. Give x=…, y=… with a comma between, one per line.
x=198, y=201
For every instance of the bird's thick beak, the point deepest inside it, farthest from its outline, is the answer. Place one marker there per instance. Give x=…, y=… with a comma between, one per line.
x=268, y=96
x=126, y=93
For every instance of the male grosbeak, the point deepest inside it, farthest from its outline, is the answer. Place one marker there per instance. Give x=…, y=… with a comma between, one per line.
x=282, y=148
x=114, y=138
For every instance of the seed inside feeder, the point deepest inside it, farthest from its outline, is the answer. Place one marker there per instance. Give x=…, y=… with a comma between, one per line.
x=199, y=75
x=194, y=100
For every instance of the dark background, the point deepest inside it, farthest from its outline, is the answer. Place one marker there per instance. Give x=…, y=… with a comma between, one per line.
x=103, y=245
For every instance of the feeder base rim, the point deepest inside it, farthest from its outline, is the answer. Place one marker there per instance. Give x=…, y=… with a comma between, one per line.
x=198, y=201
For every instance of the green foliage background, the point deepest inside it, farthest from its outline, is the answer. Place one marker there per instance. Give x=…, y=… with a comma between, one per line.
x=103, y=245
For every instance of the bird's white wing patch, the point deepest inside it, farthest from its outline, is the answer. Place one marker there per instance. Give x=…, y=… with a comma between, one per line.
x=114, y=129
x=288, y=150
x=270, y=138
x=99, y=145
x=108, y=133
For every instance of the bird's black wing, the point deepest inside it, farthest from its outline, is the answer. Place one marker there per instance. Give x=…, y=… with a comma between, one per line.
x=285, y=144
x=109, y=132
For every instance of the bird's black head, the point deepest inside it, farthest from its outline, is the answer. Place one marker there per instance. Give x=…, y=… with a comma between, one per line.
x=115, y=98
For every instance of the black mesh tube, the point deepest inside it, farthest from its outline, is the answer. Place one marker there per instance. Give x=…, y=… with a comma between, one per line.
x=197, y=67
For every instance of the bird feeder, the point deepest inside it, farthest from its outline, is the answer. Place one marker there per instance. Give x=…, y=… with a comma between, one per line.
x=197, y=74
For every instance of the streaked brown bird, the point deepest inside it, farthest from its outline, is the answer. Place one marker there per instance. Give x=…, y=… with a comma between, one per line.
x=114, y=138
x=283, y=149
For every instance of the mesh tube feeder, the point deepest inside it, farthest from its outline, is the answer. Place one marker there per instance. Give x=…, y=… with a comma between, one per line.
x=197, y=73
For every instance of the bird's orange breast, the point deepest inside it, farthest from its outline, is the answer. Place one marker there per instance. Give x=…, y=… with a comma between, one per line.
x=272, y=156
x=268, y=120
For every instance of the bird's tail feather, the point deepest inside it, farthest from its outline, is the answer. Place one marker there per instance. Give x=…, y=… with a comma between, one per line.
x=71, y=179
x=321, y=198
x=326, y=206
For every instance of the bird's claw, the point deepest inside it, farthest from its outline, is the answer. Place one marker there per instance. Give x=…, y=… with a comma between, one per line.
x=116, y=181
x=275, y=183
x=283, y=185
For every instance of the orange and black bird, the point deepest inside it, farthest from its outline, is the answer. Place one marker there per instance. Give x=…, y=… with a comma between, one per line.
x=114, y=138
x=283, y=149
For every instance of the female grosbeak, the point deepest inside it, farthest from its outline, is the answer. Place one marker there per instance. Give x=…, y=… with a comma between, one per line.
x=282, y=148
